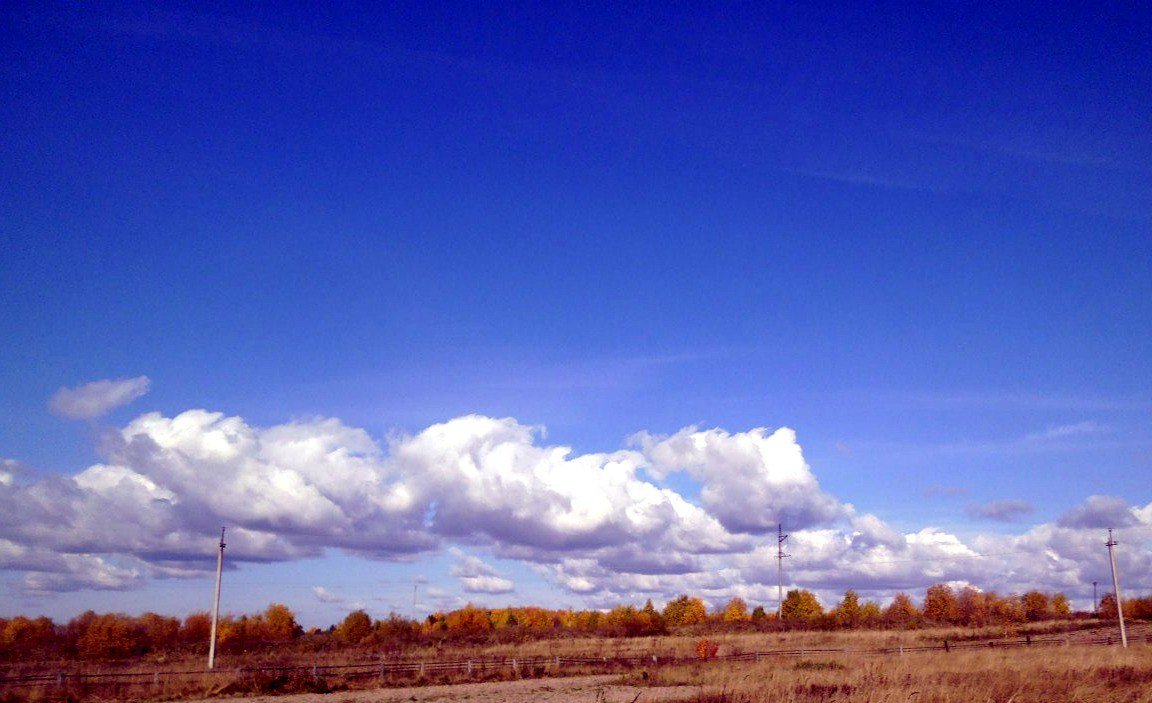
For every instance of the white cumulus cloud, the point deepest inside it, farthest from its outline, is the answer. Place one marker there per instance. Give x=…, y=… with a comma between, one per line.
x=750, y=480
x=476, y=576
x=593, y=524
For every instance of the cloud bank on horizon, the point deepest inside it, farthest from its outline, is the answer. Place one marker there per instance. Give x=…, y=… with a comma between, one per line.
x=604, y=526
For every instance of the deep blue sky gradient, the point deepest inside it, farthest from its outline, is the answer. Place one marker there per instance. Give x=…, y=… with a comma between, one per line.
x=916, y=234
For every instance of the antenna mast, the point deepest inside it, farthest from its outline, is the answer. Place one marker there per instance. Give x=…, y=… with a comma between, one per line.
x=780, y=557
x=216, y=603
x=1116, y=589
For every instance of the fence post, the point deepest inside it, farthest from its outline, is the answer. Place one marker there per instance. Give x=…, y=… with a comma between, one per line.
x=901, y=650
x=946, y=649
x=469, y=667
x=156, y=678
x=515, y=669
x=421, y=668
x=557, y=663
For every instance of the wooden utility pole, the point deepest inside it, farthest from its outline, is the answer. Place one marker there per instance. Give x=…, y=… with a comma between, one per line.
x=1116, y=590
x=216, y=603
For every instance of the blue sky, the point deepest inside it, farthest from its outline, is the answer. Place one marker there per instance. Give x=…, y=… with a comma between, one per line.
x=916, y=236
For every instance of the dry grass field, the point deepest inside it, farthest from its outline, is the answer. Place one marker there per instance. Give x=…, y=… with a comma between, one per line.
x=1074, y=673
x=1071, y=670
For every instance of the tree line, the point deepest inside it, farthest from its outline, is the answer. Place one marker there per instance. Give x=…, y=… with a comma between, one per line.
x=115, y=635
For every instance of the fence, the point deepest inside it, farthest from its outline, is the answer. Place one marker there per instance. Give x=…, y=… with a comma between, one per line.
x=515, y=666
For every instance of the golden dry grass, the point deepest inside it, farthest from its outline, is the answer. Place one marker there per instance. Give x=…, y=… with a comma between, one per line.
x=1090, y=672
x=1036, y=675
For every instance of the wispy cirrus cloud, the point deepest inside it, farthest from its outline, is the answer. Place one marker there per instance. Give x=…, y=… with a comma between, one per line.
x=1075, y=429
x=97, y=398
x=941, y=491
x=1005, y=399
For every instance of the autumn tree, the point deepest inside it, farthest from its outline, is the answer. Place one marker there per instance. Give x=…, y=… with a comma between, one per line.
x=1108, y=606
x=589, y=620
x=847, y=613
x=160, y=632
x=196, y=629
x=1036, y=606
x=110, y=635
x=280, y=623
x=800, y=604
x=1060, y=606
x=503, y=618
x=22, y=635
x=901, y=612
x=683, y=610
x=469, y=622
x=652, y=619
x=1006, y=609
x=940, y=604
x=395, y=628
x=1138, y=608
x=736, y=610
x=972, y=607
x=355, y=627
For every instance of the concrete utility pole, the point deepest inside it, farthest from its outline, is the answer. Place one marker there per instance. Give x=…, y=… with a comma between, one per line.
x=216, y=603
x=1116, y=589
x=780, y=557
x=1095, y=607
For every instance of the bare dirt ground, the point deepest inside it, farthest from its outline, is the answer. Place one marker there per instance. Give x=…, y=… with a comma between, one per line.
x=577, y=689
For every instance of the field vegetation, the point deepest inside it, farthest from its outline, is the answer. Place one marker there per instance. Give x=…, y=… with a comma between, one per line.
x=113, y=644
x=1074, y=673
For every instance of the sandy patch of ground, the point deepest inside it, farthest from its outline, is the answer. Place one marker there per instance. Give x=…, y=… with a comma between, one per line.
x=577, y=689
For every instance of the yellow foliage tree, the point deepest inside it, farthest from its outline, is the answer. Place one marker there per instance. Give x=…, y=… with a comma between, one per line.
x=684, y=611
x=800, y=604
x=736, y=610
x=902, y=612
x=280, y=623
x=469, y=621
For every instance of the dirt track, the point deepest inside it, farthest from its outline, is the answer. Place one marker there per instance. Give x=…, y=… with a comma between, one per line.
x=577, y=689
